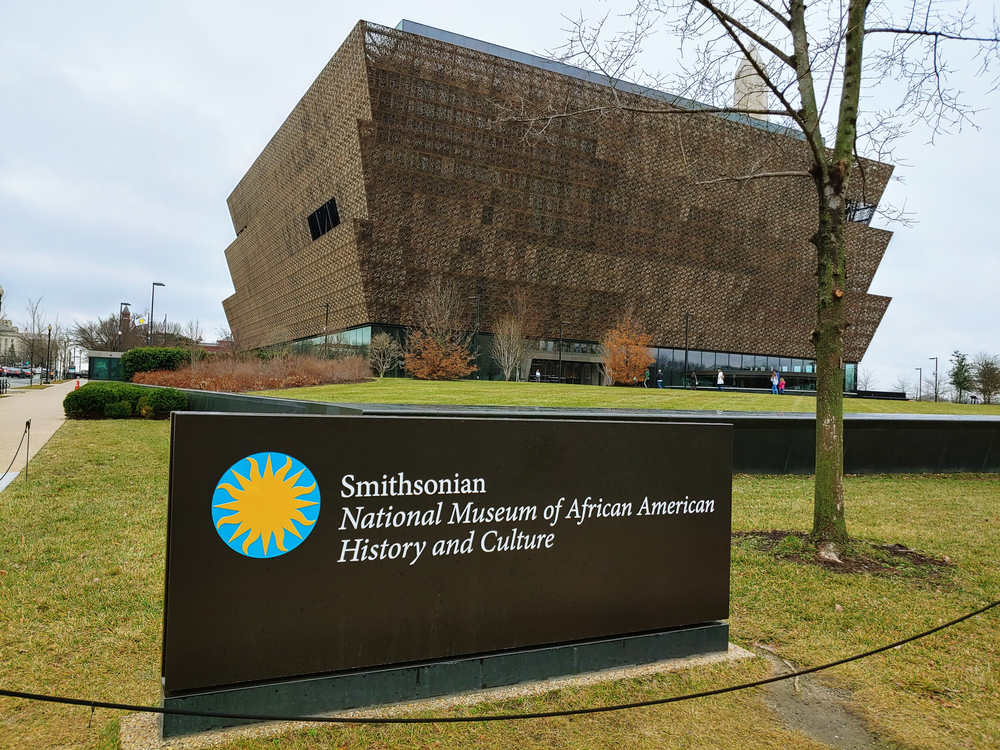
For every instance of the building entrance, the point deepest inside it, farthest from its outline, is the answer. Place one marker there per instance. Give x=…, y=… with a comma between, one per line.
x=580, y=373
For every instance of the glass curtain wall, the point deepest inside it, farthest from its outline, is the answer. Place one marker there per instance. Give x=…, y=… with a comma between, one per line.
x=676, y=365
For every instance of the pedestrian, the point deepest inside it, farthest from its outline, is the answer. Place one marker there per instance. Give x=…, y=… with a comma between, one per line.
x=781, y=386
x=720, y=380
x=538, y=376
x=694, y=380
x=645, y=379
x=659, y=378
x=774, y=382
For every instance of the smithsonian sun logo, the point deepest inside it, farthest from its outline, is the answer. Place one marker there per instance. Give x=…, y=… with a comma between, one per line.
x=265, y=505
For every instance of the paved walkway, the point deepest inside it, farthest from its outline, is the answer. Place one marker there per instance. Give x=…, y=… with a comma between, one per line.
x=44, y=409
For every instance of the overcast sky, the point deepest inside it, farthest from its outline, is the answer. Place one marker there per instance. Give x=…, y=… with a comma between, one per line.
x=125, y=126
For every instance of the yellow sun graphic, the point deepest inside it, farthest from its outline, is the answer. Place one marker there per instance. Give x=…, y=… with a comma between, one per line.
x=265, y=504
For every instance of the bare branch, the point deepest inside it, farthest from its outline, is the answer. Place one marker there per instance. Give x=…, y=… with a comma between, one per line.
x=730, y=22
x=755, y=176
x=935, y=34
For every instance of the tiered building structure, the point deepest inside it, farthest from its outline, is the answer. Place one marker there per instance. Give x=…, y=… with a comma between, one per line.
x=404, y=163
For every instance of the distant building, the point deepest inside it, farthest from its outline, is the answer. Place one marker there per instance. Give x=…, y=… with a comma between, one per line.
x=394, y=170
x=10, y=343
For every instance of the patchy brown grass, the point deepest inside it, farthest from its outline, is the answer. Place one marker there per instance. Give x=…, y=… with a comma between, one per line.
x=238, y=376
x=859, y=556
x=81, y=596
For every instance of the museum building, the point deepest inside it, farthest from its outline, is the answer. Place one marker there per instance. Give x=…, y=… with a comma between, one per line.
x=409, y=161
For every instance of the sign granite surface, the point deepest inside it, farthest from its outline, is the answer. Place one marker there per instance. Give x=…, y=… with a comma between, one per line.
x=311, y=545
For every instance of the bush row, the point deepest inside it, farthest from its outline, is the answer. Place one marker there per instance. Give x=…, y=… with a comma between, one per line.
x=238, y=376
x=150, y=358
x=113, y=400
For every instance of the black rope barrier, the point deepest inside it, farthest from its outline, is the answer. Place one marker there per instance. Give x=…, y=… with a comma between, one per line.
x=27, y=431
x=489, y=717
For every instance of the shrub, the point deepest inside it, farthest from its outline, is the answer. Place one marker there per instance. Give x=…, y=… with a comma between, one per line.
x=119, y=410
x=121, y=400
x=158, y=403
x=149, y=359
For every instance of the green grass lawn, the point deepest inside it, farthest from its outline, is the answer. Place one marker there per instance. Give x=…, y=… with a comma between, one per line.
x=496, y=393
x=81, y=579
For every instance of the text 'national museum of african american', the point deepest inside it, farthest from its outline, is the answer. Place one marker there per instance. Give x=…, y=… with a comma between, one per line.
x=397, y=169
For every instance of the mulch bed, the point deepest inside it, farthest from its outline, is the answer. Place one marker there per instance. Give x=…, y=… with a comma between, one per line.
x=861, y=557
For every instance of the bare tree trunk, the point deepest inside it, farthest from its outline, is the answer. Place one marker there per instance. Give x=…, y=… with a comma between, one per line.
x=829, y=530
x=828, y=506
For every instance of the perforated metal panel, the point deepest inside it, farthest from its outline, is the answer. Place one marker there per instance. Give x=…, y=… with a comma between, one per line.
x=602, y=216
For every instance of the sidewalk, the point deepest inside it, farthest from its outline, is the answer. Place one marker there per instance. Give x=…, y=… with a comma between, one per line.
x=44, y=409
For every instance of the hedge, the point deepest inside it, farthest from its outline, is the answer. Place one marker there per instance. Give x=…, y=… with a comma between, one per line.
x=150, y=358
x=110, y=400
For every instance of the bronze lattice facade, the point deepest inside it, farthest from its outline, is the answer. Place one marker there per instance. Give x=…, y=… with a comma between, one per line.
x=400, y=136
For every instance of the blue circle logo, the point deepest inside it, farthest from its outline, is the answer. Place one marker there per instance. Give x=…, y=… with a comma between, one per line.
x=265, y=505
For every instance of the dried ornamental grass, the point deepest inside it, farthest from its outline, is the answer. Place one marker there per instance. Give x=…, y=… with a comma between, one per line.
x=238, y=376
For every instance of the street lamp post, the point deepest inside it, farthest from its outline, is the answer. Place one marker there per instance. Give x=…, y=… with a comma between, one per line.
x=121, y=314
x=48, y=355
x=152, y=299
x=687, y=320
x=920, y=383
x=326, y=328
x=935, y=377
x=475, y=340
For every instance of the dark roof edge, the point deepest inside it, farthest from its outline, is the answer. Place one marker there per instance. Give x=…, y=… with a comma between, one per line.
x=554, y=66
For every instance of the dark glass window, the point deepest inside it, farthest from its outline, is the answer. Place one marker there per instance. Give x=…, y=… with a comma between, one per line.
x=323, y=219
x=858, y=211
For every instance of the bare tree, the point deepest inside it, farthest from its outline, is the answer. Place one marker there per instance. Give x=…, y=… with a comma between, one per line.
x=191, y=336
x=58, y=348
x=986, y=376
x=867, y=379
x=813, y=67
x=438, y=348
x=510, y=346
x=931, y=390
x=96, y=335
x=903, y=385
x=33, y=332
x=112, y=333
x=384, y=353
x=232, y=342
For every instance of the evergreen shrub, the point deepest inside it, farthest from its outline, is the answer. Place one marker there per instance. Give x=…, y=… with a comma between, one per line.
x=112, y=400
x=151, y=359
x=119, y=410
x=157, y=403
